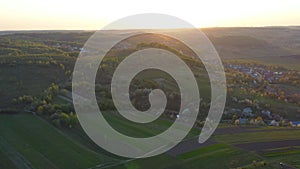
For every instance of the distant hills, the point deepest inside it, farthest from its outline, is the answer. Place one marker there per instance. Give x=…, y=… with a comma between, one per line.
x=262, y=43
x=255, y=42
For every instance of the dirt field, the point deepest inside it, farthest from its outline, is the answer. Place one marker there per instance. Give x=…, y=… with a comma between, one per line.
x=189, y=145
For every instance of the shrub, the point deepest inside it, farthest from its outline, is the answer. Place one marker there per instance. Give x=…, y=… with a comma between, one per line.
x=8, y=111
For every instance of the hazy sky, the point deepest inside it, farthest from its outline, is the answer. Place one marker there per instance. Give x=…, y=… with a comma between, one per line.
x=93, y=14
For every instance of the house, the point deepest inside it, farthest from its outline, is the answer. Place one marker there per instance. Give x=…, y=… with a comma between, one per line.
x=267, y=113
x=259, y=122
x=284, y=122
x=237, y=122
x=247, y=112
x=243, y=121
x=252, y=121
x=237, y=111
x=274, y=123
x=295, y=123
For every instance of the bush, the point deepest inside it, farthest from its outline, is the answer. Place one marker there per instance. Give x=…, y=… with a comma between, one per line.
x=8, y=111
x=64, y=120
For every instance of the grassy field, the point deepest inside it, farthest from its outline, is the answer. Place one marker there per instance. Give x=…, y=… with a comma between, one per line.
x=218, y=156
x=5, y=162
x=142, y=130
x=237, y=138
x=288, y=63
x=32, y=140
x=158, y=162
x=286, y=155
x=43, y=146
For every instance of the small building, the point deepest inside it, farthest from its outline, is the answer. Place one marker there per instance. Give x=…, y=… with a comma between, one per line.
x=295, y=123
x=237, y=122
x=247, y=112
x=274, y=123
x=235, y=110
x=267, y=113
x=243, y=121
x=252, y=122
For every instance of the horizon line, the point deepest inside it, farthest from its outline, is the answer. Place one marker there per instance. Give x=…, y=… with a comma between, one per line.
x=213, y=27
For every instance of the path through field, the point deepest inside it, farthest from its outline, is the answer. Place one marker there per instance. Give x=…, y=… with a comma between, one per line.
x=17, y=159
x=189, y=145
x=258, y=146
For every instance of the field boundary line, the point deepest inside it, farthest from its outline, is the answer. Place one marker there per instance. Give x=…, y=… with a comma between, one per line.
x=14, y=156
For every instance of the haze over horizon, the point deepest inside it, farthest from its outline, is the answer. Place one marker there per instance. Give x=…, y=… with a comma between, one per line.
x=93, y=14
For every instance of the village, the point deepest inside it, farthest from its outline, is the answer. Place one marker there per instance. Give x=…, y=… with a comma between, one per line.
x=266, y=118
x=259, y=83
x=259, y=73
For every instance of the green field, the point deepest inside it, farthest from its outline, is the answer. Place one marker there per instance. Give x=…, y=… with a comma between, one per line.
x=27, y=139
x=287, y=155
x=5, y=162
x=265, y=136
x=43, y=146
x=216, y=156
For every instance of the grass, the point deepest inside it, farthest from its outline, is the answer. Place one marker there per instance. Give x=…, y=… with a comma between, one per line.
x=272, y=157
x=5, y=162
x=258, y=136
x=220, y=156
x=158, y=162
x=203, y=151
x=217, y=156
x=44, y=146
x=288, y=63
x=281, y=153
x=18, y=160
x=58, y=100
x=286, y=156
x=277, y=128
x=293, y=160
x=141, y=130
x=134, y=129
x=78, y=134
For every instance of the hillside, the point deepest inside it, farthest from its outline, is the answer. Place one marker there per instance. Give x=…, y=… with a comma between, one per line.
x=39, y=129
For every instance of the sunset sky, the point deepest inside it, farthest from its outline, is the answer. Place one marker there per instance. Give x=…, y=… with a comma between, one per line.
x=94, y=14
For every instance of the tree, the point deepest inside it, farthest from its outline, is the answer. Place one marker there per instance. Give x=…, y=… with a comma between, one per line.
x=72, y=119
x=64, y=119
x=40, y=109
x=259, y=119
x=234, y=118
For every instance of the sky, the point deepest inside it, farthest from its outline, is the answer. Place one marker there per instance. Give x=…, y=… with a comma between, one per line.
x=94, y=14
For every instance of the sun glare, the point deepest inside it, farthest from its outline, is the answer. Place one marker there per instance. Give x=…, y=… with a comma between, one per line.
x=94, y=14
